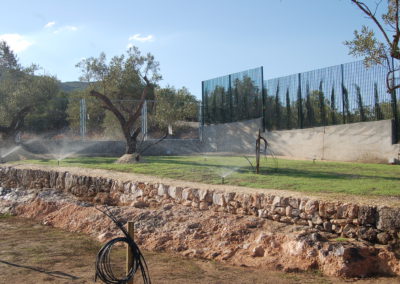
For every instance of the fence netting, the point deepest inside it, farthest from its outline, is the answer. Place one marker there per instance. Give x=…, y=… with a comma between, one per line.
x=339, y=94
x=233, y=97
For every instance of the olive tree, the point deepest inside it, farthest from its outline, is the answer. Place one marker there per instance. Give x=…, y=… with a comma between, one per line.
x=374, y=50
x=21, y=92
x=122, y=85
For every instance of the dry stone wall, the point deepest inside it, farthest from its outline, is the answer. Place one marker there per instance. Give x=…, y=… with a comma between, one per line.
x=375, y=224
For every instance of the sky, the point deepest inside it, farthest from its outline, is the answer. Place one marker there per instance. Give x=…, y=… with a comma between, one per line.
x=192, y=40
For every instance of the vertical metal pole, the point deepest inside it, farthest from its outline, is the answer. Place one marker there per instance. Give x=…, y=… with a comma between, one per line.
x=202, y=111
x=263, y=107
x=82, y=116
x=394, y=109
x=230, y=98
x=129, y=255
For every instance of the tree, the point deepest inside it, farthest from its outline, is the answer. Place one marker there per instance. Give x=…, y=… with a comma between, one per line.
x=377, y=110
x=288, y=111
x=360, y=104
x=333, y=106
x=374, y=51
x=322, y=104
x=173, y=106
x=310, y=113
x=21, y=92
x=277, y=108
x=122, y=85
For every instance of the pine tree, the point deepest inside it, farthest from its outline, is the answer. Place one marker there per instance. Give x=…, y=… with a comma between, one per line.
x=333, y=106
x=309, y=108
x=378, y=111
x=346, y=106
x=277, y=109
x=288, y=111
x=321, y=97
x=360, y=104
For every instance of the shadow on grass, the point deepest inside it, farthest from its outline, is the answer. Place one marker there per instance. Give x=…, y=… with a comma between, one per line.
x=268, y=171
x=57, y=274
x=207, y=167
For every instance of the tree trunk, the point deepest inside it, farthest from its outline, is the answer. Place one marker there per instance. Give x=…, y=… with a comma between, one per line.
x=130, y=146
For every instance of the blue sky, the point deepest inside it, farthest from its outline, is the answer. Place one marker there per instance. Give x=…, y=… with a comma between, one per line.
x=192, y=40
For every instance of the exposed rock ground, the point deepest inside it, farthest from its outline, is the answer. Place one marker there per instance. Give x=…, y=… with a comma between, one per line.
x=209, y=234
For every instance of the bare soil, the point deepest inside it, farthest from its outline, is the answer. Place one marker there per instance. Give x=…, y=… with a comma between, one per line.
x=33, y=253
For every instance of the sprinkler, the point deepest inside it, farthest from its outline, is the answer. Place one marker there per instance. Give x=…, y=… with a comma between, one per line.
x=222, y=180
x=58, y=162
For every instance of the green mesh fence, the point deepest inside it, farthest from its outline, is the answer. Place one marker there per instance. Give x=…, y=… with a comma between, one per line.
x=233, y=97
x=339, y=94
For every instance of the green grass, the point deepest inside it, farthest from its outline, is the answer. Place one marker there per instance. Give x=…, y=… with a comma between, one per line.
x=306, y=176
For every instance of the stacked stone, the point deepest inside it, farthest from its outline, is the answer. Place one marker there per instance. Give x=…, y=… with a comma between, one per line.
x=376, y=224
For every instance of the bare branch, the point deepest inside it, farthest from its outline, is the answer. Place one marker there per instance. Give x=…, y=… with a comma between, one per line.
x=110, y=106
x=371, y=15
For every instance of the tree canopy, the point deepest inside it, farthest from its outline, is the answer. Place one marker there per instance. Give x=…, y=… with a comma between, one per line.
x=122, y=84
x=369, y=45
x=21, y=92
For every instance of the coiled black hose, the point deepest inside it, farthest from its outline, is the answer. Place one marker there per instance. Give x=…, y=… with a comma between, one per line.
x=103, y=263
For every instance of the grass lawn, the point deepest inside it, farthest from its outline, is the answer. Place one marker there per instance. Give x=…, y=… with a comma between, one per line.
x=306, y=176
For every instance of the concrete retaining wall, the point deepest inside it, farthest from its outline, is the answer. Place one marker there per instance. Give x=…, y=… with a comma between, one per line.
x=364, y=141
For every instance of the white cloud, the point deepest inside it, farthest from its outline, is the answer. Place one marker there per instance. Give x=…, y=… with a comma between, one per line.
x=66, y=28
x=138, y=37
x=49, y=24
x=16, y=42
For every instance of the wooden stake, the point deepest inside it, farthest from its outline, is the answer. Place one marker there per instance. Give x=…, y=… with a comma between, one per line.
x=129, y=257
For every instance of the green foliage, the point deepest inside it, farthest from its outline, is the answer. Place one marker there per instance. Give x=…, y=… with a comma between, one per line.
x=69, y=87
x=288, y=111
x=122, y=79
x=95, y=114
x=360, y=104
x=239, y=101
x=333, y=107
x=20, y=87
x=365, y=44
x=172, y=107
x=378, y=110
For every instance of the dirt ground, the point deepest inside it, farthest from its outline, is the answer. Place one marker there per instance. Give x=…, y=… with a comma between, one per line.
x=33, y=253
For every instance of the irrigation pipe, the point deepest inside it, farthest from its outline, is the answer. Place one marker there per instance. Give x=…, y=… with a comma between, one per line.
x=103, y=264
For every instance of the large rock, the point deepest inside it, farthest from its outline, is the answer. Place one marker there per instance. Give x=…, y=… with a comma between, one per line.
x=388, y=218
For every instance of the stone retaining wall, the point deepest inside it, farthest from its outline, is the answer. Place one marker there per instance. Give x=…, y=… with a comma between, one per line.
x=376, y=224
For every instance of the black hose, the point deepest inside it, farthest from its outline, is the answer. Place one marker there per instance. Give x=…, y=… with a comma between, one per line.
x=103, y=263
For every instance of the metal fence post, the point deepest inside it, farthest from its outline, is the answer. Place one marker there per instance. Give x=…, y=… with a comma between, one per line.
x=144, y=120
x=263, y=107
x=82, y=116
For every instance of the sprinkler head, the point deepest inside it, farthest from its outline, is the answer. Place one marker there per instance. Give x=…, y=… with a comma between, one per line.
x=223, y=180
x=58, y=162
